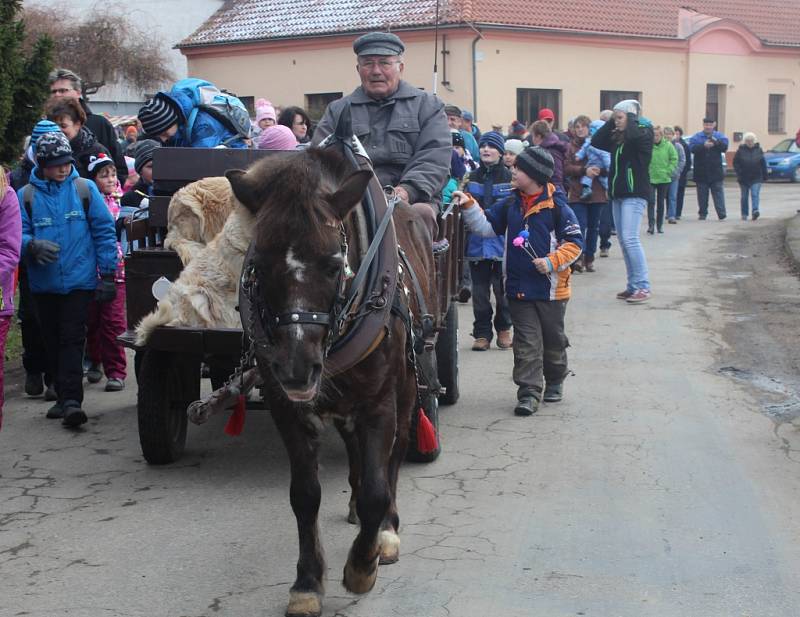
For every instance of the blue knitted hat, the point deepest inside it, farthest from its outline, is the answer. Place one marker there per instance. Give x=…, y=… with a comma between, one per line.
x=493, y=139
x=42, y=127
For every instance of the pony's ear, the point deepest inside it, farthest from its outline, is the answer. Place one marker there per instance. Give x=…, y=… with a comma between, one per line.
x=242, y=189
x=350, y=193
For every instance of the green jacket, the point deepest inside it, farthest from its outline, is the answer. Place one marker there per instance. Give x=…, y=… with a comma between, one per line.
x=663, y=163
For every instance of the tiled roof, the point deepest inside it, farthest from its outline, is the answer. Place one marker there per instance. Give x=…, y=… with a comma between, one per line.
x=775, y=22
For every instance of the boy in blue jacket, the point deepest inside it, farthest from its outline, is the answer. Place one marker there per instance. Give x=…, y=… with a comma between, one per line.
x=489, y=184
x=67, y=238
x=543, y=238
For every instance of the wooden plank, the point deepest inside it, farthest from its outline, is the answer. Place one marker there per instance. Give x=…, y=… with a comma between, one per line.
x=177, y=340
x=223, y=341
x=186, y=165
x=159, y=208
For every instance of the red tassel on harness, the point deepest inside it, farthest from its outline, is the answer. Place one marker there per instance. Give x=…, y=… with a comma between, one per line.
x=236, y=421
x=426, y=434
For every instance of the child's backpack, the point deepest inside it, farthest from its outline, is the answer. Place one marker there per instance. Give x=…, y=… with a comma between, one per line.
x=82, y=186
x=226, y=108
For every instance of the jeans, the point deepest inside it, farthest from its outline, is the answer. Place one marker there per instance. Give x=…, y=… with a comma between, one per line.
x=63, y=322
x=540, y=344
x=628, y=214
x=717, y=193
x=588, y=216
x=672, y=203
x=487, y=275
x=606, y=225
x=747, y=191
x=655, y=207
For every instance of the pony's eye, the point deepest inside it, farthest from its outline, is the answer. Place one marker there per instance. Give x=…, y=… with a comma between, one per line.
x=333, y=270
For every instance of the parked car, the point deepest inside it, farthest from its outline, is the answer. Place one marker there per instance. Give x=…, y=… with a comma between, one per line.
x=783, y=161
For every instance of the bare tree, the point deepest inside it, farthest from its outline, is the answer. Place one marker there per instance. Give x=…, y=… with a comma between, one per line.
x=103, y=50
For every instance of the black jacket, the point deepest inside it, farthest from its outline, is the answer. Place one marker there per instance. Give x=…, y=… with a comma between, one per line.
x=688, y=151
x=750, y=165
x=20, y=176
x=629, y=174
x=133, y=198
x=106, y=135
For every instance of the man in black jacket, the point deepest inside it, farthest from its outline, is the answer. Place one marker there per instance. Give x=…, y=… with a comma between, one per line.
x=65, y=83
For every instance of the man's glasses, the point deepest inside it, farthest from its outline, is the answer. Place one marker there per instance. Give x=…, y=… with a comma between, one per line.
x=61, y=90
x=384, y=65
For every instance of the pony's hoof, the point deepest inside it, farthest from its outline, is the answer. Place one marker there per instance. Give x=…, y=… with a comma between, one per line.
x=390, y=547
x=304, y=604
x=360, y=582
x=352, y=515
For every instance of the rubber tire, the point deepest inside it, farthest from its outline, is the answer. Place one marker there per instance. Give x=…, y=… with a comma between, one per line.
x=162, y=420
x=431, y=405
x=447, y=357
x=796, y=175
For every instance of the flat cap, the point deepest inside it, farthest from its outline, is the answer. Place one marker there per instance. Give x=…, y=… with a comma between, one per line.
x=378, y=44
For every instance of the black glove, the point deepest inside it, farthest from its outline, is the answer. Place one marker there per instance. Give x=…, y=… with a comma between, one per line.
x=43, y=251
x=106, y=289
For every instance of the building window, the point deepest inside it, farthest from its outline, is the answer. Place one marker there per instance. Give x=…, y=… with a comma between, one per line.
x=777, y=113
x=609, y=98
x=531, y=100
x=316, y=103
x=712, y=102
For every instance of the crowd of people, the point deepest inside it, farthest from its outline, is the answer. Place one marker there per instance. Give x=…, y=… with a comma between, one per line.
x=548, y=201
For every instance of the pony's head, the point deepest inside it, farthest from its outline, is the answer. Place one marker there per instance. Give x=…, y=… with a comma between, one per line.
x=300, y=257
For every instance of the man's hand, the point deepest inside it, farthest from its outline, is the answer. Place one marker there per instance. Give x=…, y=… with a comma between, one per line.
x=593, y=171
x=463, y=201
x=542, y=265
x=709, y=143
x=106, y=289
x=401, y=193
x=43, y=252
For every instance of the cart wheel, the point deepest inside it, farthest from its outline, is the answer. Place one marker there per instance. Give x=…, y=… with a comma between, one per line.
x=447, y=357
x=162, y=415
x=430, y=403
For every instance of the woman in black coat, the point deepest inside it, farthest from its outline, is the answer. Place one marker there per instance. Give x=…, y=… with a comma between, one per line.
x=751, y=171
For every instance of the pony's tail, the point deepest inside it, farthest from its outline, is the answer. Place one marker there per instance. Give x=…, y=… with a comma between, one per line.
x=161, y=316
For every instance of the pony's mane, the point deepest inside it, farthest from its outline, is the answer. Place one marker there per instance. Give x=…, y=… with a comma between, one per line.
x=294, y=205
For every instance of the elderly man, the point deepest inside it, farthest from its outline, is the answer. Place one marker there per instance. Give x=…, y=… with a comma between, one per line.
x=708, y=147
x=456, y=123
x=402, y=128
x=64, y=83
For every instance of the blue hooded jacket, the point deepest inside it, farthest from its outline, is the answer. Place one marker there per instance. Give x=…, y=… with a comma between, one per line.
x=86, y=246
x=207, y=131
x=488, y=185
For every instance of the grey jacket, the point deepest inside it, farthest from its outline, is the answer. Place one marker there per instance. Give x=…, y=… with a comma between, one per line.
x=406, y=135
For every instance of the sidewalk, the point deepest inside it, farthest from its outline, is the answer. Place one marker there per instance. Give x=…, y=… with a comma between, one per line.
x=793, y=240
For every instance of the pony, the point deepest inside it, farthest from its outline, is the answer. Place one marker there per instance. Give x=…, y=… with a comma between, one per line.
x=296, y=272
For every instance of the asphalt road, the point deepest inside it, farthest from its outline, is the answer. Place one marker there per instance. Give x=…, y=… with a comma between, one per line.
x=665, y=484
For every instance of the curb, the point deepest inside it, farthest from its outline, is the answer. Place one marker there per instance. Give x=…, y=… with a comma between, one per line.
x=793, y=240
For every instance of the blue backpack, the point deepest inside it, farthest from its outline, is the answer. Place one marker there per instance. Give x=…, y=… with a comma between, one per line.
x=226, y=108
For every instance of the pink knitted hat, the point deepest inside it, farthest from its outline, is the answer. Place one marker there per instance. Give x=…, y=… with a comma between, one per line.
x=265, y=111
x=277, y=137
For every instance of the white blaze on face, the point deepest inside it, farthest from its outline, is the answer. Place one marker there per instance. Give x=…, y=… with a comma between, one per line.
x=296, y=267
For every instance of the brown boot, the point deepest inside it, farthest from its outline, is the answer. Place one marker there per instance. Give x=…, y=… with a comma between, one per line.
x=481, y=344
x=577, y=265
x=504, y=340
x=588, y=263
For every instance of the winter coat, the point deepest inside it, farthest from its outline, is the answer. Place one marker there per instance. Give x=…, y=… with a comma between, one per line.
x=207, y=131
x=133, y=198
x=558, y=150
x=21, y=175
x=10, y=243
x=556, y=236
x=113, y=204
x=86, y=246
x=708, y=161
x=104, y=133
x=663, y=162
x=487, y=186
x=678, y=171
x=750, y=165
x=629, y=174
x=84, y=145
x=471, y=144
x=574, y=170
x=687, y=167
x=406, y=136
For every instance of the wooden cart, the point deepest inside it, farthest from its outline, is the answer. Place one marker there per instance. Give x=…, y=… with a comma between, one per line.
x=169, y=368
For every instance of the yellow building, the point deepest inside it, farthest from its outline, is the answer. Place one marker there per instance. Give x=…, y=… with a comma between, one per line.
x=735, y=60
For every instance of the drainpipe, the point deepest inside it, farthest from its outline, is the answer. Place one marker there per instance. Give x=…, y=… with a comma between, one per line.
x=475, y=70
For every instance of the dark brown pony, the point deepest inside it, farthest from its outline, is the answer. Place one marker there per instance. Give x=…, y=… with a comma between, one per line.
x=304, y=205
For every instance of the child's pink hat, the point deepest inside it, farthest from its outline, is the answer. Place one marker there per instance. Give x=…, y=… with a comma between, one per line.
x=265, y=111
x=277, y=137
